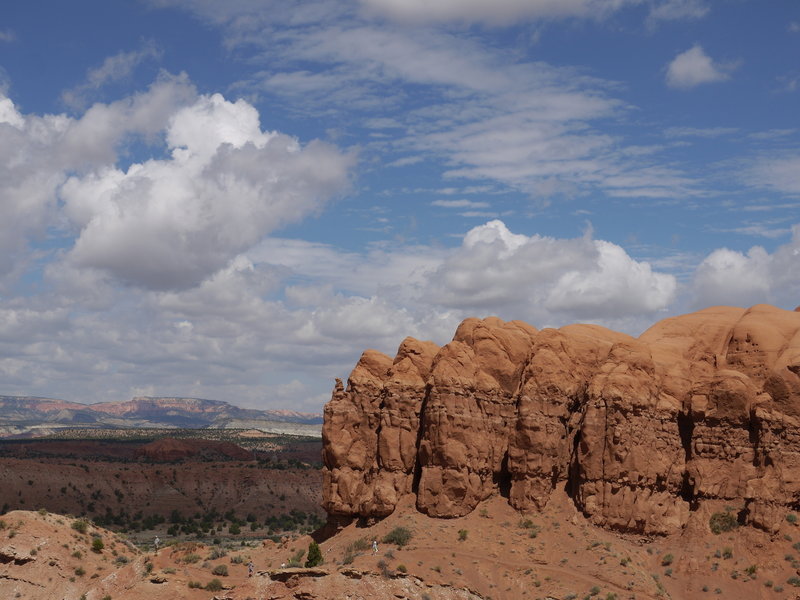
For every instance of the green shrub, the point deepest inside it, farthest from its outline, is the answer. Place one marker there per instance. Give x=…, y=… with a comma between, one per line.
x=791, y=518
x=727, y=553
x=195, y=585
x=314, y=555
x=80, y=571
x=721, y=522
x=214, y=585
x=97, y=545
x=666, y=560
x=191, y=558
x=399, y=536
x=462, y=534
x=402, y=569
x=80, y=525
x=795, y=581
x=221, y=570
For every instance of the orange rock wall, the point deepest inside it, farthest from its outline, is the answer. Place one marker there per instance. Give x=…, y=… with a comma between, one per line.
x=638, y=431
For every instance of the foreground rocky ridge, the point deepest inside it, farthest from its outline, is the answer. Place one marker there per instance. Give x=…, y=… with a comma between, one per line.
x=638, y=431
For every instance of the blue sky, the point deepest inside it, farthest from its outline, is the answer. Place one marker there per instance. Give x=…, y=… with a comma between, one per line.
x=232, y=200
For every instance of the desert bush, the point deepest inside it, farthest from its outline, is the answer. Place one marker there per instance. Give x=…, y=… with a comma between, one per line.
x=727, y=553
x=121, y=560
x=666, y=560
x=237, y=559
x=462, y=534
x=384, y=567
x=360, y=545
x=795, y=581
x=214, y=585
x=217, y=553
x=80, y=571
x=791, y=518
x=191, y=558
x=314, y=555
x=399, y=536
x=721, y=522
x=402, y=568
x=80, y=525
x=194, y=585
x=221, y=570
x=97, y=545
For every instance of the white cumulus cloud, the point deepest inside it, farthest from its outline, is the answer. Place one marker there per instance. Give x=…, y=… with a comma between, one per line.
x=170, y=223
x=742, y=279
x=694, y=67
x=547, y=280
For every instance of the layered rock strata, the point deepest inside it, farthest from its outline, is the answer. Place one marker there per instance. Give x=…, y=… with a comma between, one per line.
x=639, y=431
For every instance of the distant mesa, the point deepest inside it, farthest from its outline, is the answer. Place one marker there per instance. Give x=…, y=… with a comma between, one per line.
x=24, y=415
x=639, y=432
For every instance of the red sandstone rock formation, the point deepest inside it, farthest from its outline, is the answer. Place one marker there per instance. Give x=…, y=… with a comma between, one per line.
x=638, y=431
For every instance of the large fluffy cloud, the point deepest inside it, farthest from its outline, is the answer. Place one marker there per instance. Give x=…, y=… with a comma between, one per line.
x=741, y=279
x=38, y=151
x=171, y=223
x=547, y=280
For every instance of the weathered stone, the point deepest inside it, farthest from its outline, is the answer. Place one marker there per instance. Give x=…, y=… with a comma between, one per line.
x=704, y=406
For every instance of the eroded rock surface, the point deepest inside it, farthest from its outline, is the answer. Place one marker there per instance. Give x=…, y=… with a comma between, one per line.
x=638, y=431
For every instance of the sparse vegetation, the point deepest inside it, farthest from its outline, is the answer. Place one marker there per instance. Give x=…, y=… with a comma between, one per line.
x=215, y=585
x=400, y=536
x=80, y=525
x=462, y=534
x=721, y=522
x=221, y=570
x=97, y=545
x=666, y=560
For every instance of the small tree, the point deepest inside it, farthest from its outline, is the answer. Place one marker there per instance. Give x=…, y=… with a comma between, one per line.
x=314, y=555
x=97, y=545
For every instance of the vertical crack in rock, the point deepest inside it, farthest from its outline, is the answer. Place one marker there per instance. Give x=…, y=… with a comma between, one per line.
x=754, y=436
x=502, y=478
x=420, y=434
x=686, y=432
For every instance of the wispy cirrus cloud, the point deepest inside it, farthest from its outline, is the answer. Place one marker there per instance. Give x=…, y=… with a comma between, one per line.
x=114, y=68
x=674, y=10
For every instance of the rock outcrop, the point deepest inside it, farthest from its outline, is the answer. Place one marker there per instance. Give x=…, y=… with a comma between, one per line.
x=639, y=431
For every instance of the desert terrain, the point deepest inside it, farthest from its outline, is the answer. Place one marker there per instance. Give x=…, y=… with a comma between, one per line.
x=511, y=463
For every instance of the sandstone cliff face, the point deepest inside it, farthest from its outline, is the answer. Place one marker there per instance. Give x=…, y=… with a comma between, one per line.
x=638, y=431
